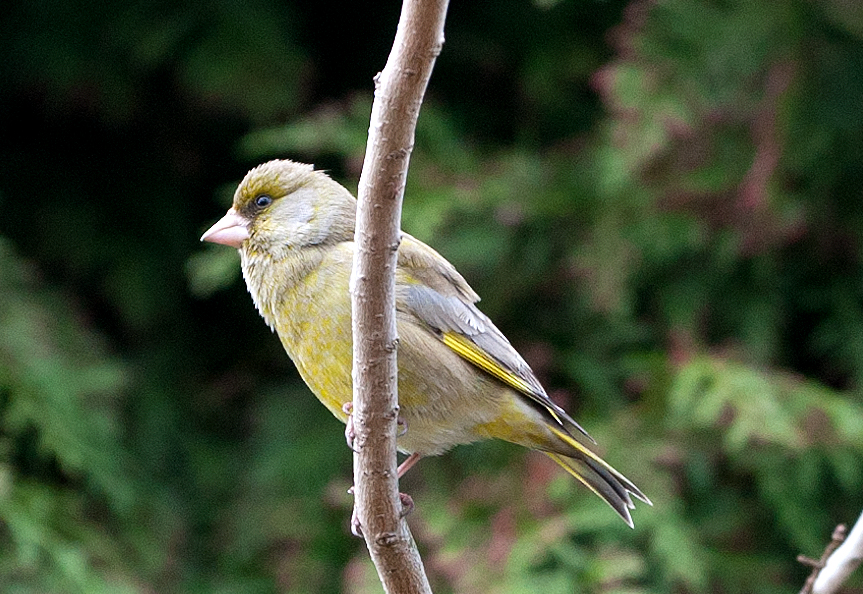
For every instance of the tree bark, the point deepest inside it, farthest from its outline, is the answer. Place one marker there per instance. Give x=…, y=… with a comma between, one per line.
x=399, y=90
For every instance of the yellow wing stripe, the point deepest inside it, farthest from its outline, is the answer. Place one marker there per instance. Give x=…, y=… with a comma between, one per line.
x=466, y=349
x=472, y=353
x=566, y=437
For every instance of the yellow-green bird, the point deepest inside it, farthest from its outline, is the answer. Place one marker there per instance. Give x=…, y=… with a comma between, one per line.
x=460, y=380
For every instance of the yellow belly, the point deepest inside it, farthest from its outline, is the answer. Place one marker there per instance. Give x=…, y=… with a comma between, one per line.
x=315, y=330
x=444, y=400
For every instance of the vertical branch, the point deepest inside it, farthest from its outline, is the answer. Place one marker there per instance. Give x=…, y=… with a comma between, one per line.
x=399, y=90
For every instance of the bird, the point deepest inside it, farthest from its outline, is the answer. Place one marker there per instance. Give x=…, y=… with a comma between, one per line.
x=459, y=378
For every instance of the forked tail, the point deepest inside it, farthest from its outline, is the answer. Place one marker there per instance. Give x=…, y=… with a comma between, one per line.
x=598, y=476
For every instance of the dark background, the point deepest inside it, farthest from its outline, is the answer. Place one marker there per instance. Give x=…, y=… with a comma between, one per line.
x=660, y=204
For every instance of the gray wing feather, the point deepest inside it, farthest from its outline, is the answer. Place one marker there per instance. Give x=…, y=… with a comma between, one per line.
x=452, y=313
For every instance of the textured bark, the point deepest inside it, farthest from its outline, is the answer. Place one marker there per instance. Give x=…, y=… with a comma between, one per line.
x=399, y=90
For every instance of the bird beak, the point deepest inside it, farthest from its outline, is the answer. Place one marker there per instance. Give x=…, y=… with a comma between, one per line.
x=232, y=229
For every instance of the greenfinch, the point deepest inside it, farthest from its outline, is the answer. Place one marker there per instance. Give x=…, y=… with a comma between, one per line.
x=459, y=381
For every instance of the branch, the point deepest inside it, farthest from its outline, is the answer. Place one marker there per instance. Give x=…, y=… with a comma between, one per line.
x=843, y=560
x=399, y=90
x=818, y=564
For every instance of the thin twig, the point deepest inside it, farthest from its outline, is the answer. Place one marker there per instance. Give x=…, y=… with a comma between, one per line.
x=817, y=565
x=842, y=562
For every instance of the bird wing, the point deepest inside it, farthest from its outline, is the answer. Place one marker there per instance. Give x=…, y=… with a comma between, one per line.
x=430, y=288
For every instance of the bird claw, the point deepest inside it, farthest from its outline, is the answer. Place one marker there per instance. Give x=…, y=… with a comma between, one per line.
x=407, y=503
x=356, y=527
x=407, y=506
x=350, y=434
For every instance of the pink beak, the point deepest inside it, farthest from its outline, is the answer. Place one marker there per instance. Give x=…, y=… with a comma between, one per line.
x=232, y=229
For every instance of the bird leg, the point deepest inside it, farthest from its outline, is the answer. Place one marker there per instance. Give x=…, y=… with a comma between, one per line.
x=408, y=464
x=407, y=503
x=404, y=498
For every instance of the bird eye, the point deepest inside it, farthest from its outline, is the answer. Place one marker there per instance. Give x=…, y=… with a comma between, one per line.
x=263, y=201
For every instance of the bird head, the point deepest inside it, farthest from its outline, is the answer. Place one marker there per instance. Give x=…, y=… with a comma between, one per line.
x=283, y=205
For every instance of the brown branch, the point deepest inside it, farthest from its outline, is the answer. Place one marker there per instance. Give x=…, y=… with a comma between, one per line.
x=842, y=562
x=818, y=564
x=399, y=90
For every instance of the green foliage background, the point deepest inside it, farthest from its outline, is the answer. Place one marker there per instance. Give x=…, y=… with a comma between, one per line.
x=660, y=203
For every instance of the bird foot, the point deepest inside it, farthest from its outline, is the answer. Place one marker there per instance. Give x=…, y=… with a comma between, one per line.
x=350, y=434
x=407, y=506
x=356, y=527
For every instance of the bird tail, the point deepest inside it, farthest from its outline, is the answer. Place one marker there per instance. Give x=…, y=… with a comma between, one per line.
x=597, y=475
